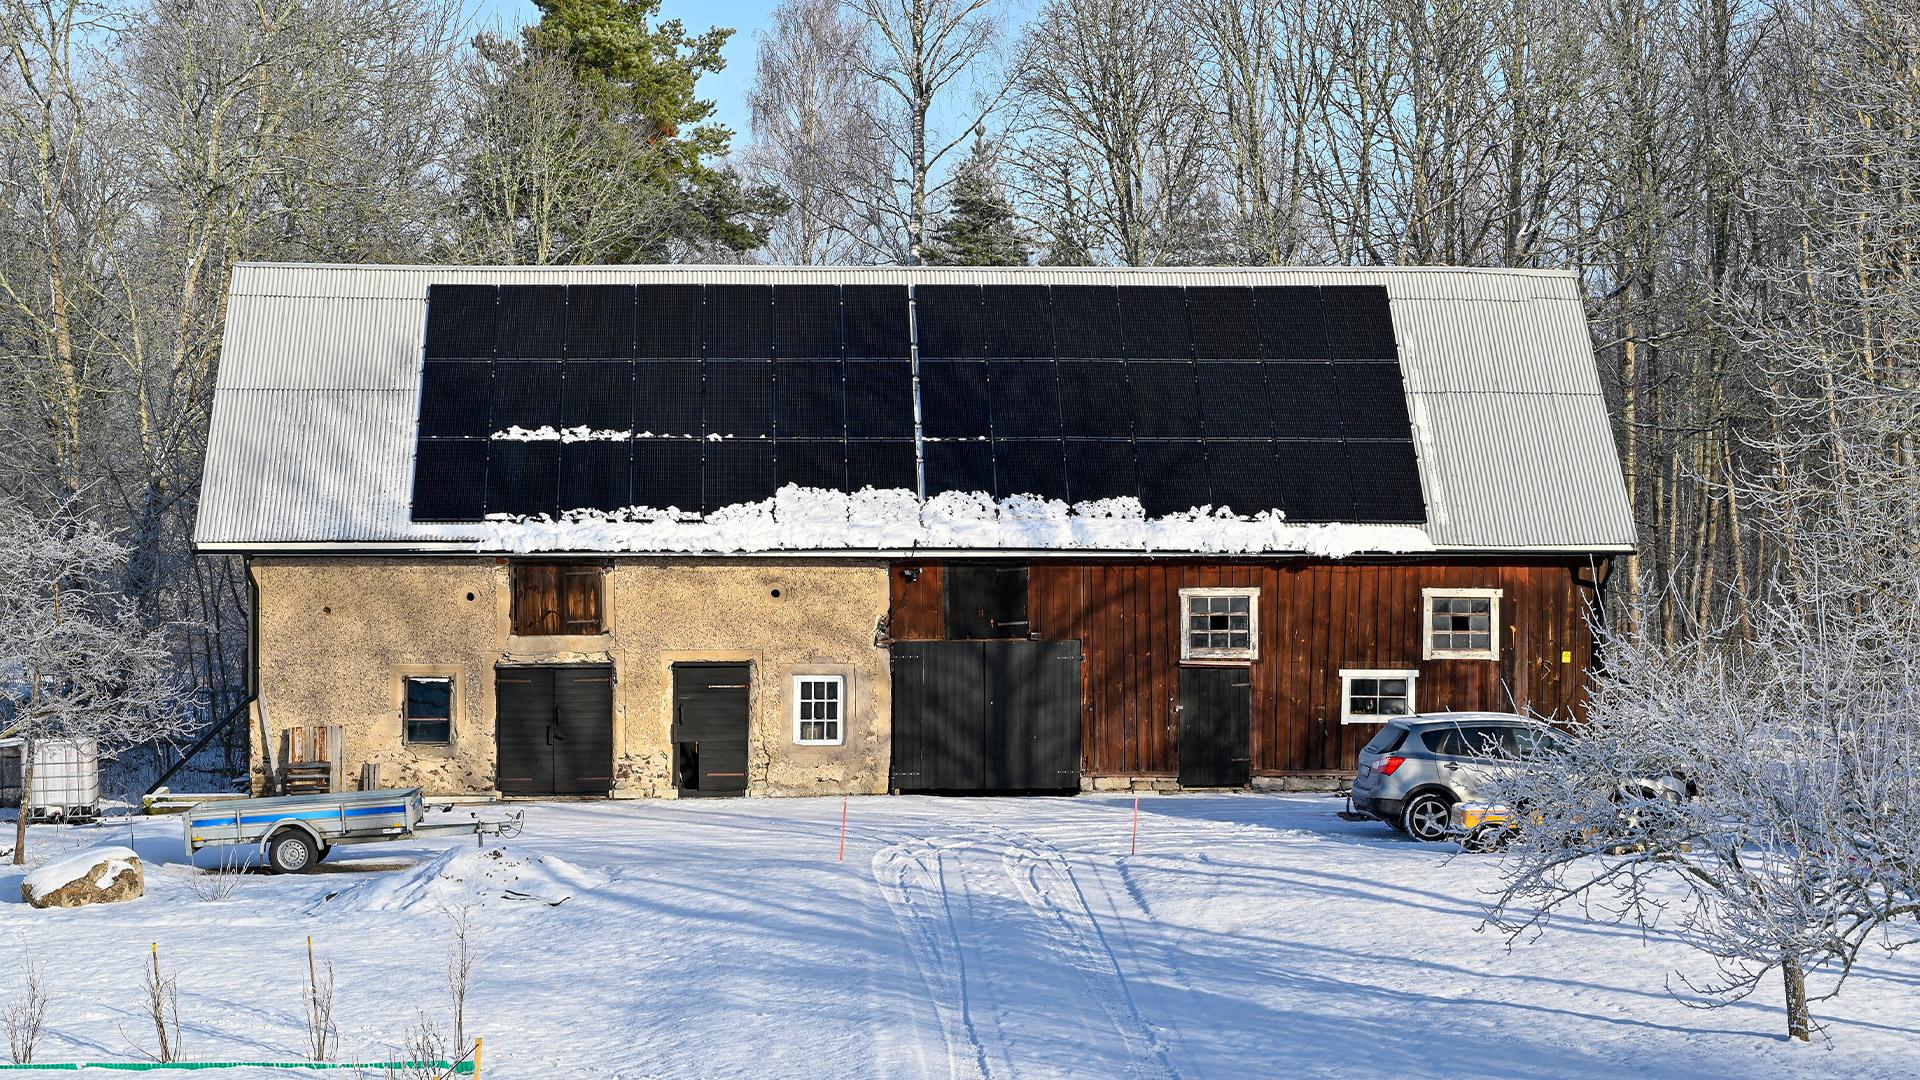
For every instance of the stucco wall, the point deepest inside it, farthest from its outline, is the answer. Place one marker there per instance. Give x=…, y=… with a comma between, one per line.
x=338, y=635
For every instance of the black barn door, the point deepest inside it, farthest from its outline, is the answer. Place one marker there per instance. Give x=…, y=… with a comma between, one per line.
x=710, y=728
x=553, y=730
x=1216, y=706
x=986, y=715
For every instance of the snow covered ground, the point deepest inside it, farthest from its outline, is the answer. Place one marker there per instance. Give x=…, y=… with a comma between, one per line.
x=1251, y=936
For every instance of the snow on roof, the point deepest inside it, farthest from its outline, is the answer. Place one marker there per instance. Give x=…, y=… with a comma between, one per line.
x=313, y=431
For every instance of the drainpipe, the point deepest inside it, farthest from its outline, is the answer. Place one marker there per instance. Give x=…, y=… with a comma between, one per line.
x=253, y=675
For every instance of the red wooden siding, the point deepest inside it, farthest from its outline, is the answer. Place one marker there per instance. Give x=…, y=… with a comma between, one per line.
x=1316, y=617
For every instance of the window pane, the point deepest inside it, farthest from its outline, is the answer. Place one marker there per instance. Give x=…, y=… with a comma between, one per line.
x=1481, y=642
x=429, y=731
x=1240, y=604
x=429, y=699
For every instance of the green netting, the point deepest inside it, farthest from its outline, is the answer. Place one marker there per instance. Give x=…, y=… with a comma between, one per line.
x=463, y=1068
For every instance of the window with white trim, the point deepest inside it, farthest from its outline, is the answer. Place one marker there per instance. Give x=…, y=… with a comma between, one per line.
x=428, y=708
x=1460, y=624
x=1220, y=624
x=819, y=709
x=1375, y=696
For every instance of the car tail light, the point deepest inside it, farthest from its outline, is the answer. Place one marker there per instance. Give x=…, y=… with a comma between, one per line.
x=1389, y=764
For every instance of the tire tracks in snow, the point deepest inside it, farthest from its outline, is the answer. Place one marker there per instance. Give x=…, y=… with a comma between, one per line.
x=911, y=877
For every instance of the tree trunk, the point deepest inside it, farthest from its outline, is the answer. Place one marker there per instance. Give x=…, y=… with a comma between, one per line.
x=26, y=801
x=1799, y=1024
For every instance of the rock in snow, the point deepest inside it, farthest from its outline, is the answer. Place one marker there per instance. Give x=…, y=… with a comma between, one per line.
x=101, y=875
x=463, y=875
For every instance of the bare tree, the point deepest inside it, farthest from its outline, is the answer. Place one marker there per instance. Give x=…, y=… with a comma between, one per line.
x=316, y=1005
x=26, y=1015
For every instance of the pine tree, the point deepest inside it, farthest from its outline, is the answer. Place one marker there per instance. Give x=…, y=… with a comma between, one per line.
x=979, y=227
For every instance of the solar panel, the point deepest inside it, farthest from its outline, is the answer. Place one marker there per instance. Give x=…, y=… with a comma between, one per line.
x=1233, y=401
x=1166, y=399
x=808, y=401
x=597, y=394
x=815, y=464
x=1094, y=399
x=599, y=321
x=1086, y=322
x=667, y=322
x=666, y=397
x=806, y=322
x=460, y=321
x=1292, y=322
x=959, y=466
x=454, y=399
x=875, y=317
x=523, y=477
x=666, y=474
x=1245, y=476
x=533, y=322
x=1222, y=320
x=1386, y=481
x=735, y=472
x=450, y=480
x=525, y=393
x=594, y=475
x=953, y=400
x=1173, y=476
x=1101, y=469
x=1305, y=400
x=1373, y=401
x=1315, y=481
x=1359, y=323
x=1030, y=467
x=739, y=399
x=1024, y=396
x=882, y=465
x=1017, y=321
x=738, y=323
x=880, y=400
x=948, y=318
x=1153, y=323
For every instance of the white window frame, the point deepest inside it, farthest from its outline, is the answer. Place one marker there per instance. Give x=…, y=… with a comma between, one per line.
x=1491, y=652
x=1235, y=656
x=1347, y=675
x=840, y=699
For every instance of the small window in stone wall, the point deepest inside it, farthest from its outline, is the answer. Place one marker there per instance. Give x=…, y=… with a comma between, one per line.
x=429, y=709
x=819, y=710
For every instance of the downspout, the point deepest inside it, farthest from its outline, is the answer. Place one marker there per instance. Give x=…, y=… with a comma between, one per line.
x=253, y=675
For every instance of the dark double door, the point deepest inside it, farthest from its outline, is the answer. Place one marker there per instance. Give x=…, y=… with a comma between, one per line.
x=710, y=703
x=986, y=715
x=553, y=730
x=1216, y=709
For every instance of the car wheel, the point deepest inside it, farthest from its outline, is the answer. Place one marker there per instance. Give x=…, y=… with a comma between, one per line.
x=292, y=852
x=1425, y=817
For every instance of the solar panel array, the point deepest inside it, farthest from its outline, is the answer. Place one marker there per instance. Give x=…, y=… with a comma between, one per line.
x=1286, y=397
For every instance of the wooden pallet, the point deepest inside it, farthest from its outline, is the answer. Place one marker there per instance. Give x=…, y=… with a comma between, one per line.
x=313, y=759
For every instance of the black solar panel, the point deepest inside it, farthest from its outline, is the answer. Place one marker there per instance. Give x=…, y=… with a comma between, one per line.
x=450, y=480
x=1094, y=400
x=533, y=322
x=882, y=465
x=1223, y=327
x=454, y=399
x=523, y=478
x=1166, y=400
x=1292, y=322
x=1153, y=323
x=1173, y=476
x=525, y=393
x=875, y=317
x=736, y=471
x=948, y=317
x=1101, y=469
x=739, y=399
x=667, y=322
x=666, y=397
x=806, y=322
x=1086, y=322
x=594, y=475
x=808, y=400
x=460, y=322
x=953, y=400
x=1386, y=482
x=1233, y=401
x=1024, y=396
x=597, y=394
x=880, y=400
x=1245, y=476
x=666, y=474
x=821, y=464
x=959, y=466
x=738, y=323
x=1017, y=321
x=1359, y=324
x=1030, y=467
x=599, y=322
x=1315, y=481
x=1305, y=400
x=1373, y=400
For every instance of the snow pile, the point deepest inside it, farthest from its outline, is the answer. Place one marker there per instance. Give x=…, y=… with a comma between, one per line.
x=813, y=519
x=461, y=876
x=51, y=877
x=548, y=433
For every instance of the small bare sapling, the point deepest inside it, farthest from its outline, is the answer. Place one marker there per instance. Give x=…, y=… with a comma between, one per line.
x=27, y=1012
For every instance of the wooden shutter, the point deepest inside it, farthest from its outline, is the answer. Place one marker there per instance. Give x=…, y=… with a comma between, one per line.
x=580, y=599
x=556, y=598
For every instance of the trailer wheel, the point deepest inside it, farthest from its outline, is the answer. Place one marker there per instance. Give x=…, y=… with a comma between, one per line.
x=292, y=851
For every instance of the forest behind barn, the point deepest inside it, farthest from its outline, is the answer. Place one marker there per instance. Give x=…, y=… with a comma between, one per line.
x=1735, y=182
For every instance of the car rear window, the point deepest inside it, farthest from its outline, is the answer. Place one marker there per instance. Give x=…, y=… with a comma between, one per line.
x=1386, y=740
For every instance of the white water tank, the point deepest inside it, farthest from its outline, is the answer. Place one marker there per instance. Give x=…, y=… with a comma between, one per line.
x=66, y=778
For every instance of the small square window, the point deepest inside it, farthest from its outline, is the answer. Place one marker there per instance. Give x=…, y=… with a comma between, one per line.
x=1221, y=624
x=429, y=709
x=819, y=710
x=1460, y=624
x=1375, y=697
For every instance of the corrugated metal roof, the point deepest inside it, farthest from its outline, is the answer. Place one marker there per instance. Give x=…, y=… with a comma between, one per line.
x=313, y=425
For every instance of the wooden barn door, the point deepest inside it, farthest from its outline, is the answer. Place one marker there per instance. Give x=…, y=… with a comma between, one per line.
x=986, y=715
x=1216, y=707
x=553, y=730
x=710, y=704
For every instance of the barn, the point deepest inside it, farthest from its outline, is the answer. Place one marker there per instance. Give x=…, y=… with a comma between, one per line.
x=699, y=531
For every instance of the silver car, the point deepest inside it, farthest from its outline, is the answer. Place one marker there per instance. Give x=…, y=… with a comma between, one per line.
x=1417, y=767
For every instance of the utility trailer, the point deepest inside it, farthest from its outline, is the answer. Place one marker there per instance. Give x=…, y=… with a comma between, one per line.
x=295, y=832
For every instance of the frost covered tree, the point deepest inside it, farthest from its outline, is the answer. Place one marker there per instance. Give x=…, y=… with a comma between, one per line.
x=76, y=661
